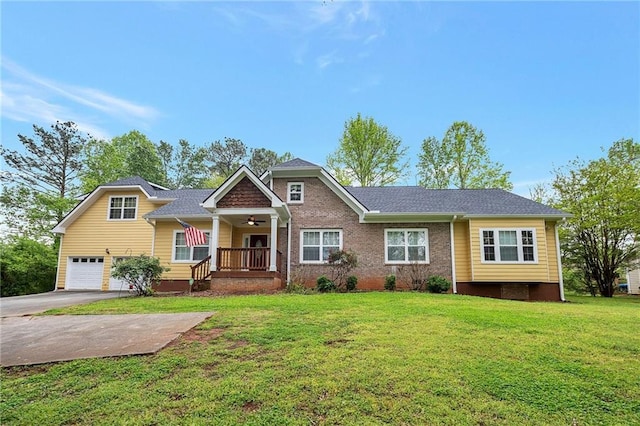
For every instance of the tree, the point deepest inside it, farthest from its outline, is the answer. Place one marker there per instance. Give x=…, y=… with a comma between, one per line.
x=604, y=197
x=261, y=159
x=226, y=158
x=26, y=267
x=42, y=180
x=460, y=160
x=131, y=154
x=368, y=155
x=184, y=167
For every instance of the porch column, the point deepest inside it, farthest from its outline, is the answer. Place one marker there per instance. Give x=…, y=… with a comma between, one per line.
x=213, y=246
x=274, y=243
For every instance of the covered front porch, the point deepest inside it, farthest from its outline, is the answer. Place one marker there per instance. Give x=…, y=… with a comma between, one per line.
x=248, y=259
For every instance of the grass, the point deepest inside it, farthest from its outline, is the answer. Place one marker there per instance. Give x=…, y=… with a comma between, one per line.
x=364, y=358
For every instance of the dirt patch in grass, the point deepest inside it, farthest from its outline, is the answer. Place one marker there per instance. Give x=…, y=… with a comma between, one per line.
x=250, y=407
x=203, y=336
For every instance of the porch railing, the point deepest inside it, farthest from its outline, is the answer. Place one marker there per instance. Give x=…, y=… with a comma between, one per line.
x=202, y=270
x=236, y=259
x=246, y=259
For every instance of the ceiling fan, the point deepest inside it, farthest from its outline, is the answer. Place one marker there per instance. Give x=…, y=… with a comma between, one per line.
x=251, y=221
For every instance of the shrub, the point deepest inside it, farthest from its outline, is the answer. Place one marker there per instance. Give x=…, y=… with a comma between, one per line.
x=325, y=285
x=390, y=282
x=296, y=288
x=414, y=275
x=341, y=263
x=139, y=272
x=352, y=282
x=438, y=284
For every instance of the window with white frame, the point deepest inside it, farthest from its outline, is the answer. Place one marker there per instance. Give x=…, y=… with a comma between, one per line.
x=406, y=245
x=316, y=244
x=295, y=192
x=123, y=208
x=508, y=245
x=184, y=253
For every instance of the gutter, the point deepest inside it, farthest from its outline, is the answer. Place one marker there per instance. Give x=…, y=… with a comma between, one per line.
x=560, y=278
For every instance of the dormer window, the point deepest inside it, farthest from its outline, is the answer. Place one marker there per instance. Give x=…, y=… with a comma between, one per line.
x=123, y=208
x=295, y=192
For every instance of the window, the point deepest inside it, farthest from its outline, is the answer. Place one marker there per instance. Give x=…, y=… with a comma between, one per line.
x=406, y=245
x=295, y=192
x=508, y=245
x=123, y=208
x=183, y=253
x=315, y=245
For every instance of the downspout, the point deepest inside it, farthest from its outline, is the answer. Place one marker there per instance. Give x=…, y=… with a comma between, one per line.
x=289, y=251
x=560, y=278
x=153, y=240
x=453, y=257
x=55, y=286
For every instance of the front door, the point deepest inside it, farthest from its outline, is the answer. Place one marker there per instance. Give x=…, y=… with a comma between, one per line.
x=258, y=259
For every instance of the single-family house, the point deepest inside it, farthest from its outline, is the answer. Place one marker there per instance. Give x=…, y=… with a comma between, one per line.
x=633, y=279
x=265, y=230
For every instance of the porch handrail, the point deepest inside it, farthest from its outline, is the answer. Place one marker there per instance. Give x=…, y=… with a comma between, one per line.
x=201, y=270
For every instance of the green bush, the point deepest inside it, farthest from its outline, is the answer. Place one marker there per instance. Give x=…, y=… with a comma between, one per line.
x=296, y=288
x=438, y=284
x=352, y=282
x=26, y=267
x=139, y=272
x=390, y=282
x=325, y=285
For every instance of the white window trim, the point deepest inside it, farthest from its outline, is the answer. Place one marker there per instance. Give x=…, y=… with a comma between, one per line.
x=135, y=217
x=496, y=238
x=406, y=246
x=321, y=230
x=289, y=200
x=173, y=247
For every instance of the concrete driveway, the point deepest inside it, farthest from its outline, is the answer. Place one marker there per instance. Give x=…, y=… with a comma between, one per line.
x=27, y=340
x=36, y=303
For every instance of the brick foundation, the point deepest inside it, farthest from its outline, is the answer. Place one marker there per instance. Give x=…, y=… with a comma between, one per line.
x=246, y=285
x=548, y=292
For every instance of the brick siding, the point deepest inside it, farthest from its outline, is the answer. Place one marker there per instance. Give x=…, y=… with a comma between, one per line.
x=323, y=209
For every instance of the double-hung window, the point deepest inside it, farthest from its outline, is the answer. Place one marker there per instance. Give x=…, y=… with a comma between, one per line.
x=406, y=245
x=295, y=192
x=184, y=253
x=508, y=245
x=316, y=244
x=123, y=208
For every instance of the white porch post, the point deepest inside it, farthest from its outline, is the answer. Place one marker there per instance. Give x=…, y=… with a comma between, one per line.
x=213, y=247
x=274, y=243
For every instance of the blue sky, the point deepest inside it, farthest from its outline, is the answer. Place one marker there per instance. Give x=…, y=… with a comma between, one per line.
x=545, y=81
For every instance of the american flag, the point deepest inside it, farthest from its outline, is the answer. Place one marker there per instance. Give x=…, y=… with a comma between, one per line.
x=193, y=236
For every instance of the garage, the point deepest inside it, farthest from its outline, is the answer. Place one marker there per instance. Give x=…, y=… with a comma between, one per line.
x=84, y=273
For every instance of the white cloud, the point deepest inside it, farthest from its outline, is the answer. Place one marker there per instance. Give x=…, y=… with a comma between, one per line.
x=29, y=97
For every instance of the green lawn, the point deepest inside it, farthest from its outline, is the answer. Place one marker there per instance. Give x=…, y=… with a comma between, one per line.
x=363, y=358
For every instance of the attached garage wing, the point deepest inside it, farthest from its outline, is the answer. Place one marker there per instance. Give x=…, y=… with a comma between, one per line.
x=84, y=273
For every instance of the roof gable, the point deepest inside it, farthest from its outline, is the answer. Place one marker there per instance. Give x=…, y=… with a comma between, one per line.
x=246, y=178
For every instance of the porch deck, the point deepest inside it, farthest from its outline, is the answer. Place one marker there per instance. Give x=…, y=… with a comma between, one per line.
x=240, y=270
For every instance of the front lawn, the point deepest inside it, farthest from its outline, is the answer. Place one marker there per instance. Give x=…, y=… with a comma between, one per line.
x=363, y=358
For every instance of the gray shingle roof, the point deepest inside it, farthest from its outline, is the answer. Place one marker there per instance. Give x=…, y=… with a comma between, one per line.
x=133, y=181
x=415, y=199
x=295, y=163
x=186, y=202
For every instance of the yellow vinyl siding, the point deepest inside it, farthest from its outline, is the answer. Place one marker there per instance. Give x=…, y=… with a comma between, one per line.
x=91, y=234
x=552, y=254
x=462, y=252
x=164, y=245
x=505, y=272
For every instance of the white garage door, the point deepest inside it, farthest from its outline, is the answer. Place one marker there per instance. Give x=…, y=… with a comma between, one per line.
x=84, y=273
